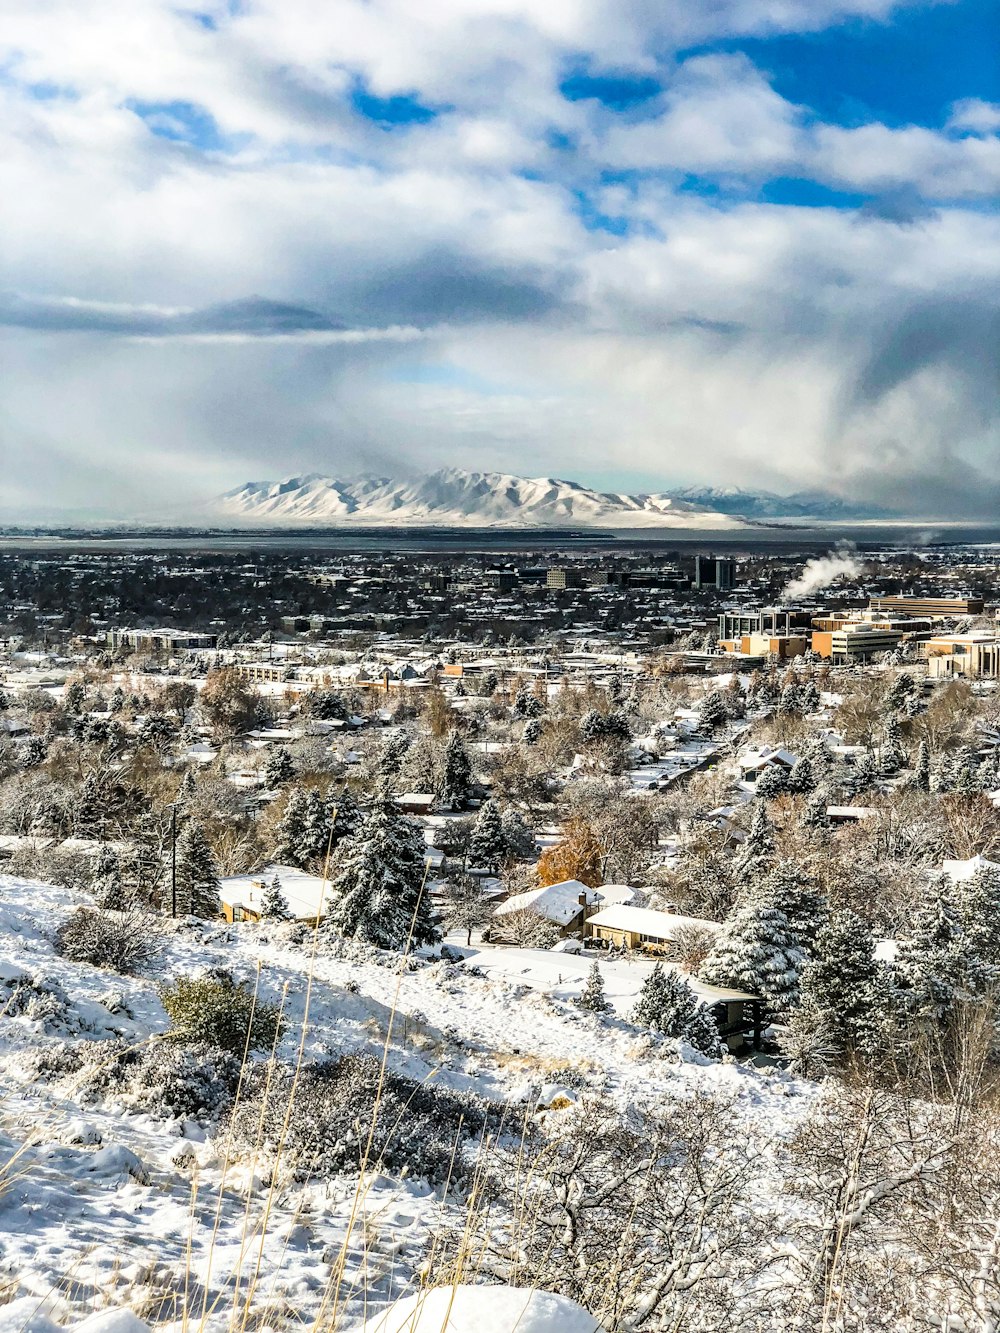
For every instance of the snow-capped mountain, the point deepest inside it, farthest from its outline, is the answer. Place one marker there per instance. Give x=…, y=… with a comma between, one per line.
x=454, y=498
x=768, y=504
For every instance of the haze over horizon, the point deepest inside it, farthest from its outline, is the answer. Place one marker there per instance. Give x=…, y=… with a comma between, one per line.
x=749, y=243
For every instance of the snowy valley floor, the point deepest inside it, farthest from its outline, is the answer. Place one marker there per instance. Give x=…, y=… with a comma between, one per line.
x=102, y=1207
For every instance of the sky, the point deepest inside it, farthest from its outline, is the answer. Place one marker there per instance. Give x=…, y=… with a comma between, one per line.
x=639, y=245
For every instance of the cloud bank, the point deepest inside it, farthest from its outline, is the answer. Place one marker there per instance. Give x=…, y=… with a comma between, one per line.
x=268, y=236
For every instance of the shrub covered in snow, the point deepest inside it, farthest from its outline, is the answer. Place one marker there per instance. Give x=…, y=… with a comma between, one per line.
x=120, y=941
x=416, y=1126
x=217, y=1010
x=161, y=1079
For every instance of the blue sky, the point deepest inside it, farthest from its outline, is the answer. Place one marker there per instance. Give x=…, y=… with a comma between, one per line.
x=725, y=241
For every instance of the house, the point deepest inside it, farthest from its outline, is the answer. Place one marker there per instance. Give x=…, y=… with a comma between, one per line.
x=848, y=814
x=625, y=927
x=564, y=904
x=415, y=802
x=958, y=871
x=307, y=896
x=753, y=762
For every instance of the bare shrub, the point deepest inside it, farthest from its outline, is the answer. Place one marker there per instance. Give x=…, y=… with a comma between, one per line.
x=120, y=941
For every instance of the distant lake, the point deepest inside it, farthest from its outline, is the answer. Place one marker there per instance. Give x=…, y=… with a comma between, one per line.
x=777, y=538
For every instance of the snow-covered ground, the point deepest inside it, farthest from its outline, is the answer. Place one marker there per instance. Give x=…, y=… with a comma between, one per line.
x=103, y=1207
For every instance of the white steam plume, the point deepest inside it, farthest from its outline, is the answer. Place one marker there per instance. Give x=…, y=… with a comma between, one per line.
x=822, y=571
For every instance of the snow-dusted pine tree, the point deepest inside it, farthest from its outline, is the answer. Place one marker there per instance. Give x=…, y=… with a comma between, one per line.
x=290, y=842
x=279, y=769
x=978, y=901
x=772, y=782
x=713, y=712
x=841, y=1002
x=791, y=891
x=379, y=889
x=758, y=951
x=922, y=766
x=933, y=966
x=197, y=873
x=757, y=847
x=667, y=1004
x=346, y=815
x=592, y=997
x=273, y=905
x=457, y=781
x=488, y=846
x=801, y=779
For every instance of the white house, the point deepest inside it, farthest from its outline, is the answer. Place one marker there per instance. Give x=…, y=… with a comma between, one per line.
x=307, y=896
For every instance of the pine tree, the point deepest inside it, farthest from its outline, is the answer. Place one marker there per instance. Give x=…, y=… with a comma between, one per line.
x=519, y=837
x=457, y=781
x=488, y=847
x=316, y=830
x=532, y=731
x=978, y=902
x=393, y=753
x=667, y=1004
x=291, y=831
x=279, y=768
x=273, y=905
x=791, y=699
x=592, y=997
x=758, y=846
x=758, y=951
x=188, y=787
x=379, y=886
x=772, y=782
x=713, y=712
x=592, y=726
x=810, y=702
x=108, y=885
x=792, y=892
x=197, y=873
x=933, y=968
x=347, y=817
x=841, y=1005
x=801, y=779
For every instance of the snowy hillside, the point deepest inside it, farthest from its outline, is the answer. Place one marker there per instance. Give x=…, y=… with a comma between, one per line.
x=454, y=498
x=111, y=1200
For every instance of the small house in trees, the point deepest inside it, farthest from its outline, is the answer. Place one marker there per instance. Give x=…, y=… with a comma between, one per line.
x=848, y=814
x=565, y=905
x=959, y=871
x=307, y=896
x=753, y=762
x=415, y=803
x=621, y=926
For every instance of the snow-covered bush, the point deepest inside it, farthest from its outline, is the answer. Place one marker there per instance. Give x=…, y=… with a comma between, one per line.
x=121, y=941
x=217, y=1010
x=34, y=998
x=340, y=1105
x=161, y=1079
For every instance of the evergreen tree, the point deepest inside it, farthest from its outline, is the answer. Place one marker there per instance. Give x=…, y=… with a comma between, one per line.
x=347, y=817
x=279, y=768
x=273, y=905
x=197, y=873
x=892, y=755
x=188, y=787
x=616, y=725
x=841, y=1006
x=758, y=951
x=457, y=781
x=713, y=712
x=108, y=885
x=393, y=753
x=978, y=902
x=488, y=847
x=290, y=849
x=592, y=726
x=933, y=968
x=810, y=702
x=771, y=783
x=592, y=997
x=316, y=830
x=667, y=1004
x=519, y=837
x=791, y=699
x=801, y=780
x=792, y=892
x=758, y=846
x=532, y=731
x=379, y=886
x=865, y=773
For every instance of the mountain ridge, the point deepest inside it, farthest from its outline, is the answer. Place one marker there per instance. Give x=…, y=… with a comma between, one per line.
x=453, y=497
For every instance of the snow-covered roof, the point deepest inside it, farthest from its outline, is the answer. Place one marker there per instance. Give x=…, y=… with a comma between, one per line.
x=306, y=895
x=960, y=870
x=556, y=902
x=646, y=921
x=764, y=755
